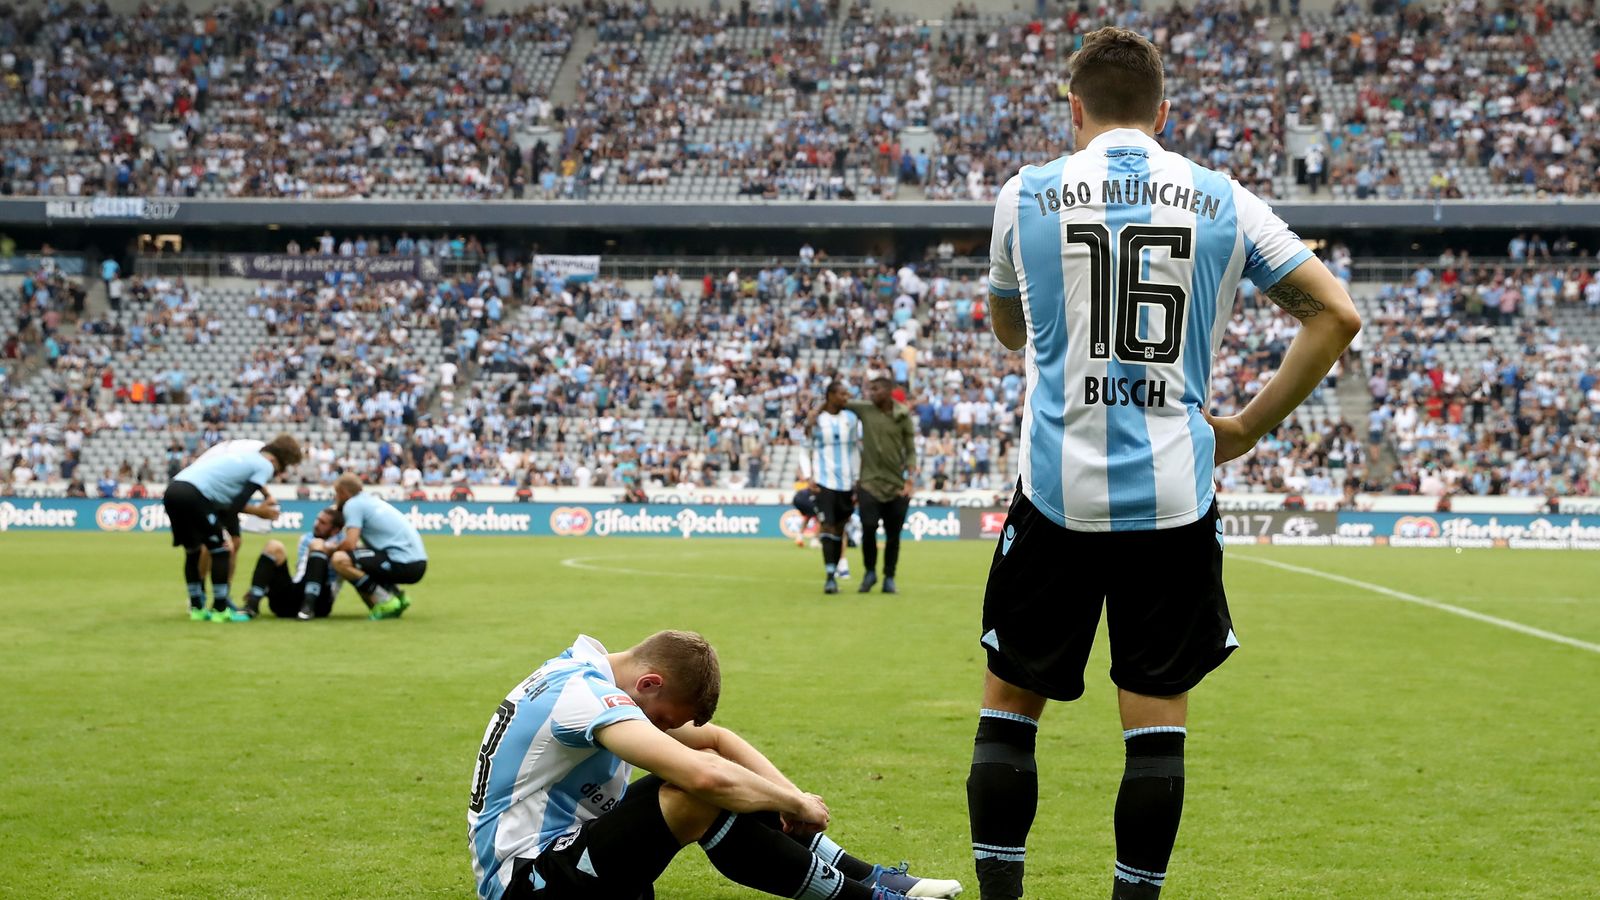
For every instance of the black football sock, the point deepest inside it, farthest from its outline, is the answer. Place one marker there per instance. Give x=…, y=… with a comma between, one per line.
x=364, y=586
x=1002, y=797
x=220, y=560
x=1149, y=806
x=756, y=856
x=316, y=576
x=260, y=581
x=192, y=580
x=831, y=548
x=824, y=848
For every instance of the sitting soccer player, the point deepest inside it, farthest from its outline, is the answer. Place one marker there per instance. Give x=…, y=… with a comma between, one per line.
x=309, y=593
x=553, y=815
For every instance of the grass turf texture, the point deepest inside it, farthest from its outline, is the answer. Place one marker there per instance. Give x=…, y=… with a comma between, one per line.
x=1356, y=746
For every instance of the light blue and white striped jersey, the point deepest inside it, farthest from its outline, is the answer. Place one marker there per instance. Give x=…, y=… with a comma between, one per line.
x=227, y=479
x=541, y=773
x=303, y=556
x=1127, y=258
x=384, y=528
x=835, y=443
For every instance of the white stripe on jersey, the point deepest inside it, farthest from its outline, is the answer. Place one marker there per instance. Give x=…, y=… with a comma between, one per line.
x=834, y=445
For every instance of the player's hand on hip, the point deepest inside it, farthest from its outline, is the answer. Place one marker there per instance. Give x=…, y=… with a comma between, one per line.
x=1233, y=439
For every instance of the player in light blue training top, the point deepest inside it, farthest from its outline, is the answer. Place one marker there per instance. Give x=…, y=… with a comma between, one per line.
x=835, y=449
x=1115, y=270
x=553, y=815
x=200, y=501
x=381, y=549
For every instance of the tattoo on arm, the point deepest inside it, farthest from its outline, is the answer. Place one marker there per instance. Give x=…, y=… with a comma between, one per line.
x=1009, y=311
x=1294, y=301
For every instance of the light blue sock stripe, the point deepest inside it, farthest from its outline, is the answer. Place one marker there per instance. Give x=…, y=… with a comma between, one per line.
x=1006, y=857
x=721, y=833
x=998, y=848
x=1155, y=729
x=1128, y=873
x=1011, y=716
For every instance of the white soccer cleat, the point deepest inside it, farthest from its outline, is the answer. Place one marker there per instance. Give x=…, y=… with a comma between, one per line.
x=935, y=887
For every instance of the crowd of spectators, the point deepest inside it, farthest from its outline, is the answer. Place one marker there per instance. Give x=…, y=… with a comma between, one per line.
x=401, y=97
x=1484, y=381
x=1473, y=85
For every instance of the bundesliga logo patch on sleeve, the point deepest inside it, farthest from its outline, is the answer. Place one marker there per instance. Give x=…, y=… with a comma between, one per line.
x=612, y=701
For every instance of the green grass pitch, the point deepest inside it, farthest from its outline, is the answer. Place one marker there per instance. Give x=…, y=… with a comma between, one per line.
x=1357, y=746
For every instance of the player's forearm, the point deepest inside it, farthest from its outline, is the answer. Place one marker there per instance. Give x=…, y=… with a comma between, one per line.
x=1311, y=355
x=731, y=786
x=734, y=748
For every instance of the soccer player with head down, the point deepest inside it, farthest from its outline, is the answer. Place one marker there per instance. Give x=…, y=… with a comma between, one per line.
x=199, y=501
x=380, y=551
x=1116, y=268
x=554, y=817
x=308, y=593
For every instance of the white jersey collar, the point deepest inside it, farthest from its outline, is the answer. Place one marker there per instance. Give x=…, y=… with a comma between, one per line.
x=1123, y=137
x=587, y=649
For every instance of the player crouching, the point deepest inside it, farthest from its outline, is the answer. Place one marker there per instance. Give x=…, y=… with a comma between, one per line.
x=309, y=593
x=381, y=549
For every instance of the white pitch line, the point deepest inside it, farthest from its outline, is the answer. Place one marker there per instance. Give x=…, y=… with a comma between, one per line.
x=1424, y=601
x=587, y=563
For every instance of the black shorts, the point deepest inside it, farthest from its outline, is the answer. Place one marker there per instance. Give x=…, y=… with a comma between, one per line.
x=1162, y=589
x=385, y=570
x=285, y=596
x=617, y=856
x=230, y=524
x=195, y=521
x=833, y=507
x=806, y=503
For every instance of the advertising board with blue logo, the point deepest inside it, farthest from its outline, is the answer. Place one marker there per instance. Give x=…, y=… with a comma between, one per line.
x=1521, y=532
x=532, y=519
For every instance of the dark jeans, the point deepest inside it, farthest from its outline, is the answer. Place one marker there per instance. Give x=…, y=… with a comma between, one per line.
x=892, y=513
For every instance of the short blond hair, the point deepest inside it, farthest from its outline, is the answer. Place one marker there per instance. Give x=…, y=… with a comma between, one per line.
x=688, y=664
x=348, y=483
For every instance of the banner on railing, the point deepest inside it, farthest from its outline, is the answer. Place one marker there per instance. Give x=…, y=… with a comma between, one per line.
x=771, y=521
x=568, y=268
x=295, y=267
x=529, y=519
x=28, y=263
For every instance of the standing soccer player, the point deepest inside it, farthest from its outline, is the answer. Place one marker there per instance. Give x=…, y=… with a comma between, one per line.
x=835, y=434
x=230, y=520
x=381, y=549
x=1116, y=269
x=888, y=477
x=199, y=501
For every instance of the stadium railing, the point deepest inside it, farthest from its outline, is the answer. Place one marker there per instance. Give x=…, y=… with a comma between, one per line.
x=641, y=268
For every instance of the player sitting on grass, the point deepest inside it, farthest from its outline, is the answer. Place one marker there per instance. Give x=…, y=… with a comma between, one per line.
x=309, y=593
x=199, y=500
x=553, y=816
x=381, y=549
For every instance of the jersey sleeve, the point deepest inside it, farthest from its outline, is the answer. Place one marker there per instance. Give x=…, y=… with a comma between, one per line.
x=1002, y=270
x=1271, y=249
x=354, y=513
x=260, y=471
x=587, y=704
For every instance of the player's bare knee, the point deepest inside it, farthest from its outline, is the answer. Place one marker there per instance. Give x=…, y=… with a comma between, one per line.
x=274, y=550
x=1007, y=697
x=687, y=816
